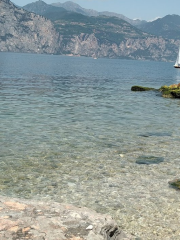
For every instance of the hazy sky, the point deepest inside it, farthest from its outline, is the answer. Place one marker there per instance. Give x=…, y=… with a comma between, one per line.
x=142, y=9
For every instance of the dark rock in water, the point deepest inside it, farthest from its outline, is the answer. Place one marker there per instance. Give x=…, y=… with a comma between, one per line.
x=112, y=232
x=156, y=134
x=176, y=94
x=172, y=91
x=141, y=89
x=160, y=134
x=175, y=184
x=144, y=135
x=149, y=160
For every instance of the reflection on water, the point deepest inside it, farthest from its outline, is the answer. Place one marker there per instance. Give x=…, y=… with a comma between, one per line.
x=177, y=72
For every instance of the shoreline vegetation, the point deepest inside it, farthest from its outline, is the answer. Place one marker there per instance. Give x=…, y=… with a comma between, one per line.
x=172, y=91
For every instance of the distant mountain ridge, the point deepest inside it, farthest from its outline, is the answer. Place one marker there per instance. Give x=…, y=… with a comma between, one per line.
x=53, y=30
x=167, y=27
x=42, y=8
x=103, y=36
x=74, y=7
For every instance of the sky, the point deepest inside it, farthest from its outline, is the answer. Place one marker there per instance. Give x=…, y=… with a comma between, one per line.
x=134, y=9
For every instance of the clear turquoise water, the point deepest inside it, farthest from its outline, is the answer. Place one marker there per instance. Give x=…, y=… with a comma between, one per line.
x=64, y=121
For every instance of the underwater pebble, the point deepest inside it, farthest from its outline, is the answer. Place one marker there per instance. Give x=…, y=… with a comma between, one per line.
x=149, y=160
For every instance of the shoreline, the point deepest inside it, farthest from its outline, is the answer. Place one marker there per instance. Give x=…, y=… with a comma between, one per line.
x=36, y=220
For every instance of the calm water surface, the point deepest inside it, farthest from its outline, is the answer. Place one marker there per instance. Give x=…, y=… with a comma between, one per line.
x=69, y=123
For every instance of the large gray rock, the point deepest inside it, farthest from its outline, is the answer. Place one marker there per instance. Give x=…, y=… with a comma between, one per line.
x=23, y=219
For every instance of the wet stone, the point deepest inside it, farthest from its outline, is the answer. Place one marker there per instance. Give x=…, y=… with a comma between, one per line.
x=175, y=184
x=117, y=206
x=101, y=166
x=113, y=185
x=149, y=160
x=54, y=184
x=156, y=134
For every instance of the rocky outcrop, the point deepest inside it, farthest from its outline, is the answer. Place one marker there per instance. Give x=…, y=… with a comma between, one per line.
x=20, y=219
x=172, y=91
x=21, y=31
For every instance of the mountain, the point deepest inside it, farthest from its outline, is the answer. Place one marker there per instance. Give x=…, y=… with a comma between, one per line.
x=73, y=7
x=105, y=36
x=75, y=34
x=22, y=31
x=106, y=29
x=42, y=8
x=135, y=22
x=69, y=23
x=48, y=11
x=167, y=27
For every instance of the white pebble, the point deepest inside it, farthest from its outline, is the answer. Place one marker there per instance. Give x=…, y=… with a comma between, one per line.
x=90, y=227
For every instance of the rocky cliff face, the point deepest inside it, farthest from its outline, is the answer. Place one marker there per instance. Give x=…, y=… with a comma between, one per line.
x=150, y=48
x=21, y=31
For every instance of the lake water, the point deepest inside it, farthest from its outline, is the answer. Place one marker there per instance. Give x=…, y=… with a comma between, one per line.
x=71, y=130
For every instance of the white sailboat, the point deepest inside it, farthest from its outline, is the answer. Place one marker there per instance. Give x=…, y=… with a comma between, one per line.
x=177, y=63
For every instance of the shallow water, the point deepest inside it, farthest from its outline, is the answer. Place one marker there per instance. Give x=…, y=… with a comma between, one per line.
x=71, y=130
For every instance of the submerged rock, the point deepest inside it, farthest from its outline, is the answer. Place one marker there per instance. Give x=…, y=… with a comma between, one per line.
x=175, y=183
x=149, y=160
x=156, y=134
x=141, y=89
x=172, y=91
